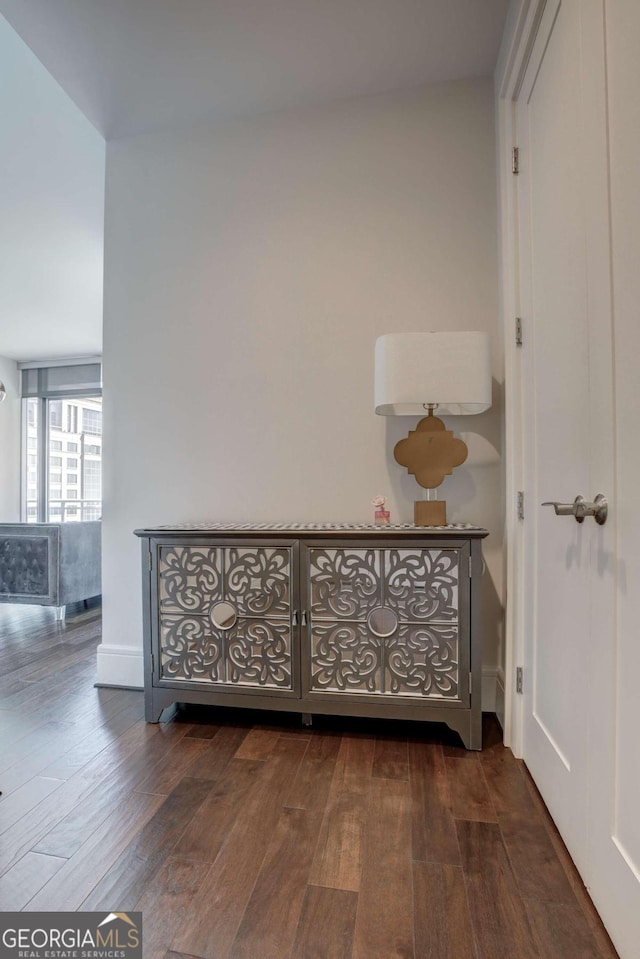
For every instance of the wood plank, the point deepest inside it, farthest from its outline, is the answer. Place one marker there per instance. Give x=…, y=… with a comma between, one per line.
x=269, y=924
x=384, y=925
x=71, y=751
x=221, y=750
x=71, y=885
x=327, y=924
x=311, y=786
x=74, y=796
x=470, y=797
x=533, y=858
x=391, y=759
x=216, y=911
x=110, y=778
x=583, y=898
x=560, y=931
x=442, y=923
x=167, y=773
x=338, y=858
x=258, y=743
x=67, y=764
x=202, y=730
x=499, y=918
x=126, y=880
x=203, y=837
x=433, y=831
x=538, y=870
x=15, y=805
x=167, y=901
x=20, y=884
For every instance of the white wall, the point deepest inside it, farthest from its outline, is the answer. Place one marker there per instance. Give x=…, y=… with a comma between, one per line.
x=248, y=271
x=51, y=214
x=10, y=443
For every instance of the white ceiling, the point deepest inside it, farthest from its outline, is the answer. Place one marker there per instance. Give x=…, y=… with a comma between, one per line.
x=136, y=65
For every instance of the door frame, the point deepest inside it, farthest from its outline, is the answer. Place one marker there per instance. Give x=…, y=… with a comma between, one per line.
x=519, y=37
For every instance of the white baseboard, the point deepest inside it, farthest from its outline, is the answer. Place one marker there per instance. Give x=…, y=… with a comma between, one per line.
x=489, y=699
x=120, y=666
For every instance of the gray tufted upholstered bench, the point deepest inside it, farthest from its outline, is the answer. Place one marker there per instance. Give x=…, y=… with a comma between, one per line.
x=50, y=564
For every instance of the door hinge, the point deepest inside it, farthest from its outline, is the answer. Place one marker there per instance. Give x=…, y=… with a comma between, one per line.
x=470, y=683
x=515, y=161
x=150, y=560
x=518, y=331
x=520, y=504
x=519, y=679
x=153, y=663
x=470, y=567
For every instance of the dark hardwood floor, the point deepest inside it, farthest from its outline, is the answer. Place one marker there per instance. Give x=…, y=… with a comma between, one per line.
x=245, y=835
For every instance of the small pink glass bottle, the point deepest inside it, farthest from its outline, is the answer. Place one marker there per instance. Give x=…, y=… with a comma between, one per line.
x=382, y=516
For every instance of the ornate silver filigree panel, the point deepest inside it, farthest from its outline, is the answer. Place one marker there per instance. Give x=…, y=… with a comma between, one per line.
x=252, y=649
x=259, y=654
x=385, y=621
x=422, y=584
x=190, y=578
x=345, y=657
x=345, y=583
x=189, y=649
x=422, y=661
x=257, y=581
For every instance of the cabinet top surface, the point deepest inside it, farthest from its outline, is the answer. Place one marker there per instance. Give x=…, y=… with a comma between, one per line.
x=465, y=530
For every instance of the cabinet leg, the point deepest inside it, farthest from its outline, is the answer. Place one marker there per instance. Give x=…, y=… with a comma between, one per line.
x=307, y=719
x=154, y=706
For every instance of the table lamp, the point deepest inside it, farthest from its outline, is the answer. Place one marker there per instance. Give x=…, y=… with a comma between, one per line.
x=424, y=372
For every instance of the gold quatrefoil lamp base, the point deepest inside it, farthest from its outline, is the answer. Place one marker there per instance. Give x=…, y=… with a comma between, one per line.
x=430, y=452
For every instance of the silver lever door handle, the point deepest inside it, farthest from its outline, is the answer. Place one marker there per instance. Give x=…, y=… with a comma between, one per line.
x=580, y=508
x=563, y=509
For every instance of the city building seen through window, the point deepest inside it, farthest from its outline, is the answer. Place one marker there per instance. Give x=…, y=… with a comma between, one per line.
x=72, y=474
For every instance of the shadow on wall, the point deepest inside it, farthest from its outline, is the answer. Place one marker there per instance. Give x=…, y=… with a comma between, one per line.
x=474, y=493
x=478, y=483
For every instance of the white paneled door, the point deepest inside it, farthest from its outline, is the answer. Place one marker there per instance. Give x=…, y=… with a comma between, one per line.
x=575, y=744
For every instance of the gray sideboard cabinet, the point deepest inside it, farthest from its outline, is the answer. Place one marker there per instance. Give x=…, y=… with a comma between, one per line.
x=353, y=620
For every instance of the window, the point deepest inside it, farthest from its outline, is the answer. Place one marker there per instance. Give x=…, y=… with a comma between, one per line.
x=92, y=479
x=92, y=421
x=72, y=418
x=57, y=425
x=55, y=414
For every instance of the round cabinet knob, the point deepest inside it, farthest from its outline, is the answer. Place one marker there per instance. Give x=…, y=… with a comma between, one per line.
x=382, y=621
x=223, y=615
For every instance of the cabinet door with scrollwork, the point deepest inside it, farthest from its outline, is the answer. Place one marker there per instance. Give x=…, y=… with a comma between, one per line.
x=225, y=616
x=386, y=622
x=422, y=592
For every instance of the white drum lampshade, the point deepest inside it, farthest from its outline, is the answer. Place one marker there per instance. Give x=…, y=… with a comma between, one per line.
x=451, y=371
